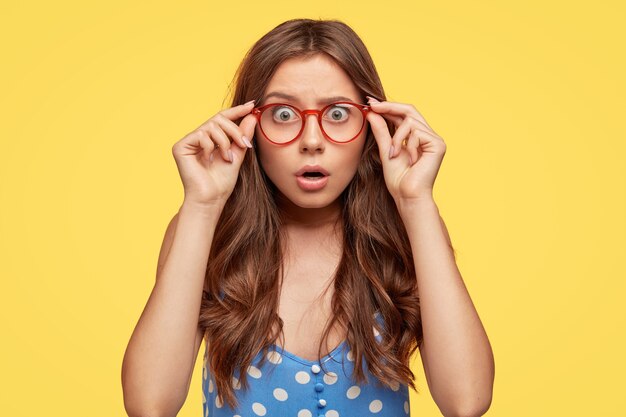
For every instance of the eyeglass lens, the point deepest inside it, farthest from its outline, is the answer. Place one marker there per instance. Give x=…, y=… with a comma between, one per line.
x=281, y=123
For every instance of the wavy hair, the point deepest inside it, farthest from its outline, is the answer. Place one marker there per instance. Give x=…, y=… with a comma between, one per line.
x=375, y=272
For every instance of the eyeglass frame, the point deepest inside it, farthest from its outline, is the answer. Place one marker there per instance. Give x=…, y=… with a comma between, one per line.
x=258, y=111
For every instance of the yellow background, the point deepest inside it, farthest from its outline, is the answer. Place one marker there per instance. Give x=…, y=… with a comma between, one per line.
x=529, y=97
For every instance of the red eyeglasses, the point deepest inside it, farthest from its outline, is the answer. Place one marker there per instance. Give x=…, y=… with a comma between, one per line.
x=340, y=122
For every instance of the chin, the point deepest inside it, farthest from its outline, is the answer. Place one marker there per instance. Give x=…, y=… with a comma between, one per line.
x=306, y=199
x=309, y=199
x=309, y=205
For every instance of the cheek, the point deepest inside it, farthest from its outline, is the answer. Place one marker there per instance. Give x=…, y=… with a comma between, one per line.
x=349, y=163
x=355, y=156
x=266, y=149
x=357, y=149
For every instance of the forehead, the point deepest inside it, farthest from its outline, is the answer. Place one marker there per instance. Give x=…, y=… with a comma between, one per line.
x=310, y=80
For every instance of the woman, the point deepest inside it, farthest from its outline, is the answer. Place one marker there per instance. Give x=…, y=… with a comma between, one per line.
x=305, y=246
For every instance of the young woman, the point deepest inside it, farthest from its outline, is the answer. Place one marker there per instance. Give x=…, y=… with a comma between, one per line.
x=308, y=252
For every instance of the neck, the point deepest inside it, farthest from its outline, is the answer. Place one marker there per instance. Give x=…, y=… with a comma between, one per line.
x=296, y=217
x=311, y=231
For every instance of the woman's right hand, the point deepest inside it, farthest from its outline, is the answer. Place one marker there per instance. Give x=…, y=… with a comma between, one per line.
x=202, y=156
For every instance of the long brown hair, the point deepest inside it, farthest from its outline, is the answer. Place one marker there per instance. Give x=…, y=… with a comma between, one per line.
x=376, y=271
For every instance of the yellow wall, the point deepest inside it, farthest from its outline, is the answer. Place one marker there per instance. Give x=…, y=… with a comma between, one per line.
x=529, y=97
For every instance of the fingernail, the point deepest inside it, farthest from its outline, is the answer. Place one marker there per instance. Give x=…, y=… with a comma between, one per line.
x=246, y=141
x=251, y=101
x=230, y=155
x=391, y=152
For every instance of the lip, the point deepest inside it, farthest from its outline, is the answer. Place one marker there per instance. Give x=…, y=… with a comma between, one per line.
x=310, y=184
x=311, y=168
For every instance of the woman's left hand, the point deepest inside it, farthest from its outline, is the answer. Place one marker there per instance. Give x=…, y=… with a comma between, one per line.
x=409, y=175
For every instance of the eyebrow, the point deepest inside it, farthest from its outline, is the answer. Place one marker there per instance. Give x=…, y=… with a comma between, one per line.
x=326, y=100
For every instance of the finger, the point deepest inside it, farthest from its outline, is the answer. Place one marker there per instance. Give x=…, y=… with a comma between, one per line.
x=223, y=143
x=191, y=143
x=428, y=141
x=236, y=112
x=232, y=130
x=428, y=136
x=381, y=134
x=206, y=144
x=398, y=109
x=401, y=133
x=396, y=120
x=247, y=126
x=412, y=145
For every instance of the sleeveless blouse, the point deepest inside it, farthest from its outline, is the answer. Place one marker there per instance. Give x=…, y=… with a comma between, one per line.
x=291, y=386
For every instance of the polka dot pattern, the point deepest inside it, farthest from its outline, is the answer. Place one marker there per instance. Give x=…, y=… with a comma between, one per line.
x=353, y=392
x=259, y=409
x=280, y=394
x=376, y=406
x=303, y=377
x=287, y=384
x=330, y=378
x=274, y=357
x=254, y=372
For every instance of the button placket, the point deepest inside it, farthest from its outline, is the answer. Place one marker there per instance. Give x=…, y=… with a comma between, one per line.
x=319, y=387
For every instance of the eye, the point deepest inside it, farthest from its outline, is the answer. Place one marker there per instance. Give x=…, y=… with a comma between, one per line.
x=284, y=114
x=338, y=113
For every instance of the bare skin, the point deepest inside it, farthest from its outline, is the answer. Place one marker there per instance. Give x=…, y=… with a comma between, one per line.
x=307, y=290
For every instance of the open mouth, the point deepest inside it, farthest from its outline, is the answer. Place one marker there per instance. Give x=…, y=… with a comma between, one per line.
x=312, y=181
x=313, y=175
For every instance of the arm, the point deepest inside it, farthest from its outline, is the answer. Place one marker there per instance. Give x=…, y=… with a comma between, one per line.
x=457, y=357
x=162, y=351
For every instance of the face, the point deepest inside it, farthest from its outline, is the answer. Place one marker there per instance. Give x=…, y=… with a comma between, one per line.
x=310, y=80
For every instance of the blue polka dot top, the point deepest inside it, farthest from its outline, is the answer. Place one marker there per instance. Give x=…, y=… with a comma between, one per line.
x=297, y=387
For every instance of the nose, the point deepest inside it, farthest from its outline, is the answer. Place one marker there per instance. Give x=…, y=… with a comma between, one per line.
x=312, y=136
